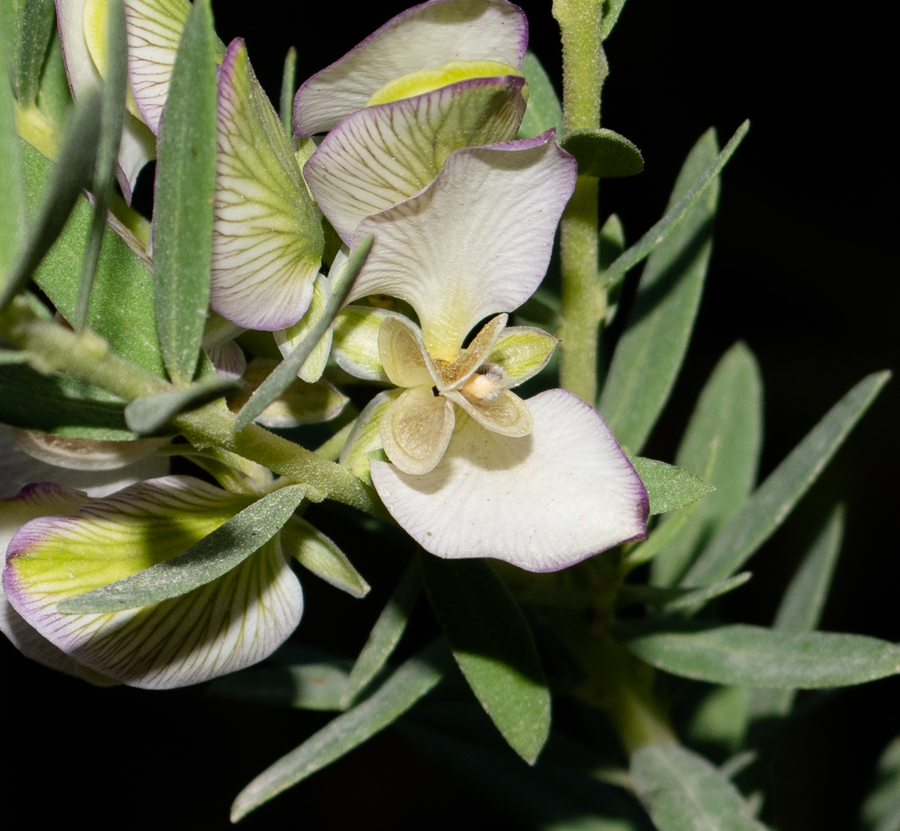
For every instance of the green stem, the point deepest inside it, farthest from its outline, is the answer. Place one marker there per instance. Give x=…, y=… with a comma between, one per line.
x=85, y=355
x=583, y=302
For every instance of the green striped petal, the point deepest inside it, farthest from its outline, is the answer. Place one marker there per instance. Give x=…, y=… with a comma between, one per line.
x=267, y=236
x=522, y=352
x=290, y=338
x=427, y=36
x=384, y=154
x=365, y=437
x=355, y=347
x=229, y=623
x=154, y=30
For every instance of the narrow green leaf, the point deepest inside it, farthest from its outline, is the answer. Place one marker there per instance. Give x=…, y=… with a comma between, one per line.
x=216, y=554
x=801, y=607
x=650, y=352
x=659, y=232
x=286, y=372
x=112, y=118
x=767, y=508
x=603, y=153
x=71, y=173
x=35, y=25
x=543, y=111
x=720, y=719
x=315, y=552
x=317, y=685
x=288, y=88
x=494, y=648
x=669, y=487
x=385, y=634
x=414, y=679
x=672, y=599
x=8, y=29
x=684, y=792
x=760, y=657
x=612, y=241
x=12, y=180
x=722, y=444
x=185, y=184
x=153, y=413
x=881, y=809
x=804, y=601
x=122, y=307
x=60, y=405
x=611, y=11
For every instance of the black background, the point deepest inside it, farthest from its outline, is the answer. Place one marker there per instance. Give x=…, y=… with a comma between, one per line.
x=801, y=271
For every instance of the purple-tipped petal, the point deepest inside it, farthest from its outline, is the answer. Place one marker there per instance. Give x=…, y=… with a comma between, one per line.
x=426, y=36
x=542, y=502
x=381, y=155
x=267, y=238
x=475, y=242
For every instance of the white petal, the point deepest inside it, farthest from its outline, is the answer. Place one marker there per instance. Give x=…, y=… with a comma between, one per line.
x=365, y=437
x=267, y=237
x=542, y=502
x=382, y=155
x=83, y=454
x=230, y=623
x=138, y=145
x=475, y=242
x=424, y=37
x=355, y=347
x=403, y=355
x=154, y=30
x=18, y=469
x=229, y=360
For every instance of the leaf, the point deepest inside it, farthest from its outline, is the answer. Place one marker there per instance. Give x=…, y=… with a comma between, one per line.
x=722, y=444
x=317, y=685
x=71, y=173
x=649, y=354
x=185, y=184
x=122, y=307
x=611, y=11
x=544, y=110
x=12, y=181
x=672, y=599
x=760, y=657
x=60, y=405
x=802, y=605
x=603, y=153
x=152, y=413
x=288, y=88
x=881, y=809
x=385, y=634
x=113, y=95
x=674, y=215
x=285, y=373
x=214, y=555
x=684, y=792
x=315, y=552
x=669, y=487
x=494, y=648
x=35, y=25
x=767, y=508
x=414, y=679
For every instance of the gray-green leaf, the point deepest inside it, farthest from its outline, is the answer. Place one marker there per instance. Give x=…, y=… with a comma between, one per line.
x=722, y=444
x=414, y=679
x=684, y=792
x=767, y=508
x=760, y=657
x=603, y=153
x=494, y=648
x=650, y=352
x=185, y=184
x=216, y=554
x=543, y=110
x=386, y=633
x=151, y=413
x=35, y=25
x=669, y=487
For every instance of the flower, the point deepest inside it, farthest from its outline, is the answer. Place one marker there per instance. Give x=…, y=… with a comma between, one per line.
x=72, y=544
x=423, y=48
x=475, y=471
